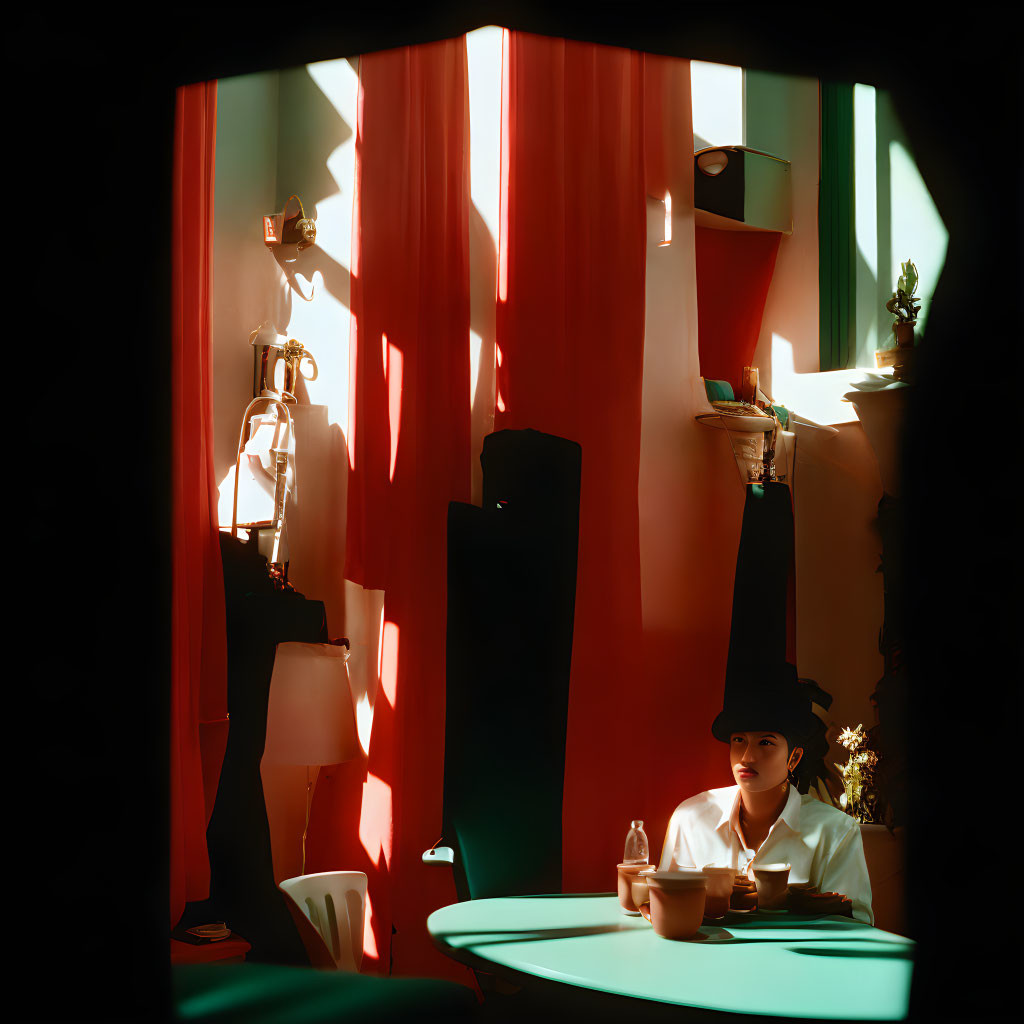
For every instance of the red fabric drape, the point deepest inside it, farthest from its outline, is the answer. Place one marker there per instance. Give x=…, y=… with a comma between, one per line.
x=409, y=442
x=198, y=629
x=734, y=272
x=570, y=330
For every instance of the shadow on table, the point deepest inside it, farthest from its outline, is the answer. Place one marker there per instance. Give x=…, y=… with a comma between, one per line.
x=873, y=954
x=562, y=896
x=739, y=932
x=818, y=924
x=505, y=936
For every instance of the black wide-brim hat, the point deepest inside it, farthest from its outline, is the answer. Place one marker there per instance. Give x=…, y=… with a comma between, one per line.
x=762, y=690
x=781, y=703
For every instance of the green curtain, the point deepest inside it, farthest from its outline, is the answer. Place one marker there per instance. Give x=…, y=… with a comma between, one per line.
x=837, y=342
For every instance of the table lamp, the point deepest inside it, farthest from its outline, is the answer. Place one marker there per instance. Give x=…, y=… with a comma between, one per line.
x=310, y=718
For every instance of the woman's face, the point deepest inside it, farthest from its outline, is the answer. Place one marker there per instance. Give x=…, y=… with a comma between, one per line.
x=761, y=760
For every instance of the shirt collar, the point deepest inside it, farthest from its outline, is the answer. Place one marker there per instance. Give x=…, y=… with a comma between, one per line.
x=791, y=812
x=730, y=810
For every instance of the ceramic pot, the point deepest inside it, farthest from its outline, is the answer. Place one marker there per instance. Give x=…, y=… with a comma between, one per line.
x=771, y=881
x=626, y=873
x=676, y=906
x=719, y=891
x=905, y=334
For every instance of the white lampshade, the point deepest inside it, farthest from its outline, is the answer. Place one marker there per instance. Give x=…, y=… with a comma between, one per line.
x=310, y=718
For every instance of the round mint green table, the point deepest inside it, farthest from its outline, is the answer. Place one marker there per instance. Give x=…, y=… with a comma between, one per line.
x=783, y=965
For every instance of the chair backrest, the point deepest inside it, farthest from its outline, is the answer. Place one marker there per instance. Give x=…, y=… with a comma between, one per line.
x=328, y=908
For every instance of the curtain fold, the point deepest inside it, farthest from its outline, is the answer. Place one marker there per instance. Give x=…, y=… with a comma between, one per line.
x=409, y=445
x=570, y=338
x=734, y=273
x=198, y=721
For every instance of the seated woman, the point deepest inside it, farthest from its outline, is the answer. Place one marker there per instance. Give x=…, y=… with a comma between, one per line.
x=770, y=816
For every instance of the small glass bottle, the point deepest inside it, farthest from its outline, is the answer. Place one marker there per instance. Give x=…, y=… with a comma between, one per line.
x=637, y=849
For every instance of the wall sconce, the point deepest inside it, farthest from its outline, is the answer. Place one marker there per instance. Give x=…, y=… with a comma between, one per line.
x=289, y=227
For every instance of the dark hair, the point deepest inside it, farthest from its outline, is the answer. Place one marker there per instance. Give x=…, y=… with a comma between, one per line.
x=812, y=765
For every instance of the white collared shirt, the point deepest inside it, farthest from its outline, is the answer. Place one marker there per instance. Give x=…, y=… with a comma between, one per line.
x=820, y=842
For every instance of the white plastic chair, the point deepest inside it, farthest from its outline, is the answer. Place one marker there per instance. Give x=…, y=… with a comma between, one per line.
x=329, y=908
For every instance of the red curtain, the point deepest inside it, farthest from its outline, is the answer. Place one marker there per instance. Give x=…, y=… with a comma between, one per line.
x=198, y=628
x=734, y=272
x=409, y=443
x=570, y=334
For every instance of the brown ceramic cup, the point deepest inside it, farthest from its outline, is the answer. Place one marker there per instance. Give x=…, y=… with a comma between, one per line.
x=719, y=890
x=627, y=872
x=676, y=906
x=639, y=888
x=771, y=881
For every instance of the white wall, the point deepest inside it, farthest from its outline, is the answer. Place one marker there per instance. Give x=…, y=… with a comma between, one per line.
x=896, y=221
x=244, y=274
x=718, y=114
x=836, y=485
x=782, y=119
x=483, y=50
x=280, y=133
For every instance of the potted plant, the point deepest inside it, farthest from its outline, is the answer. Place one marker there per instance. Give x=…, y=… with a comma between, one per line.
x=904, y=306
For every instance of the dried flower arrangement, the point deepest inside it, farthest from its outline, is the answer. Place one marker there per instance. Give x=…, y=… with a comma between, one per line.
x=857, y=775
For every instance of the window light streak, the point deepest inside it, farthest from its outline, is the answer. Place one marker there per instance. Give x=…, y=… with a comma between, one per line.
x=364, y=722
x=716, y=92
x=484, y=70
x=393, y=375
x=375, y=821
x=380, y=647
x=369, y=942
x=323, y=325
x=500, y=402
x=503, y=190
x=356, y=266
x=389, y=662
x=918, y=232
x=817, y=397
x=865, y=175
x=350, y=434
x=476, y=344
x=667, y=240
